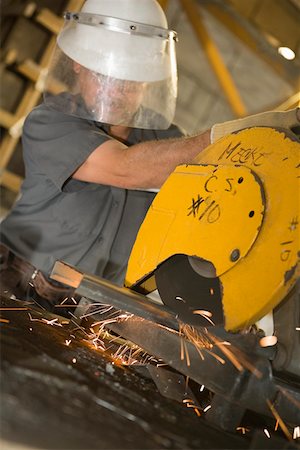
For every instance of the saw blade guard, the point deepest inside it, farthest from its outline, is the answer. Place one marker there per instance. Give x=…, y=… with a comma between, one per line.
x=236, y=208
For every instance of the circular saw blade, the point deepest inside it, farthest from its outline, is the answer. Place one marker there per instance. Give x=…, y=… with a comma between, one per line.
x=194, y=297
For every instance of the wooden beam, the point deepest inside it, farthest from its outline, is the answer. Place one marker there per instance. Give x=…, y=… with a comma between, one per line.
x=11, y=181
x=31, y=97
x=214, y=57
x=6, y=118
x=49, y=20
x=75, y=5
x=37, y=74
x=232, y=24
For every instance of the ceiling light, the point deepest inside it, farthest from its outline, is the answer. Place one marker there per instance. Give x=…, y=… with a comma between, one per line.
x=286, y=52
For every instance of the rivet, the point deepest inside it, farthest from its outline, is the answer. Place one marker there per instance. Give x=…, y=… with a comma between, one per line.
x=235, y=254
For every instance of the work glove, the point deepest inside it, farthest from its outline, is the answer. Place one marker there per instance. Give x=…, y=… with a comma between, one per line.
x=275, y=119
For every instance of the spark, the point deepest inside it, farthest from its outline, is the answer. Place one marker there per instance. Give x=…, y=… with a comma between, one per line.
x=98, y=344
x=205, y=314
x=14, y=308
x=184, y=353
x=127, y=354
x=180, y=299
x=243, y=430
x=64, y=300
x=297, y=328
x=68, y=342
x=211, y=291
x=52, y=322
x=296, y=433
x=207, y=408
x=280, y=421
x=228, y=353
x=189, y=403
x=276, y=425
x=199, y=341
x=267, y=433
x=46, y=321
x=74, y=360
x=103, y=309
x=4, y=320
x=202, y=388
x=65, y=305
x=206, y=341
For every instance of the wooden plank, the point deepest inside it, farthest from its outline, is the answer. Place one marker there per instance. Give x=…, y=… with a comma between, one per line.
x=11, y=181
x=6, y=118
x=31, y=97
x=75, y=5
x=30, y=69
x=11, y=139
x=49, y=20
x=237, y=28
x=214, y=57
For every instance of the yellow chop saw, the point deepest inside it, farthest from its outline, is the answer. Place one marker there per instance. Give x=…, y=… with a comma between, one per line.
x=220, y=245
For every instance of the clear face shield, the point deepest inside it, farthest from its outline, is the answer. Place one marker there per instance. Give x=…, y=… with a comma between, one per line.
x=114, y=71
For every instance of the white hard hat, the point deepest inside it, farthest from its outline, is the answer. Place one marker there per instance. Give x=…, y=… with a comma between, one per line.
x=125, y=39
x=123, y=46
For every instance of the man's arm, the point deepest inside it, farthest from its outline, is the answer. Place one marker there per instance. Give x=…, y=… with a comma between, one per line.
x=142, y=166
x=148, y=164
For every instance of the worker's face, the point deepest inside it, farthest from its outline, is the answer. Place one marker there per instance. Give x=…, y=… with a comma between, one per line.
x=115, y=100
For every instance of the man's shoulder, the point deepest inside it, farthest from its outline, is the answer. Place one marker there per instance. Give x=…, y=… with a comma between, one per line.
x=43, y=114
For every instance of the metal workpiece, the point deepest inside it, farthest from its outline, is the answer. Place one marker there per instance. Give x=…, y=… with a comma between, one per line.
x=101, y=291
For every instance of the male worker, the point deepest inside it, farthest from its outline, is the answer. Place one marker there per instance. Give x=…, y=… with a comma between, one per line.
x=97, y=146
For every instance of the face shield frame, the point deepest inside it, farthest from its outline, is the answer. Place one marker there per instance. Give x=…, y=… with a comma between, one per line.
x=120, y=25
x=157, y=104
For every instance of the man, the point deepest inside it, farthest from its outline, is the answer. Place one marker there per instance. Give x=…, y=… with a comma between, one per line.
x=98, y=146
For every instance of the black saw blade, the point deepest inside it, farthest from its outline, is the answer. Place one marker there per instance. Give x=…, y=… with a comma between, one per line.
x=195, y=298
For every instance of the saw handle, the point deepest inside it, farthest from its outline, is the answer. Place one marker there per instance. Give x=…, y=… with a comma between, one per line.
x=289, y=120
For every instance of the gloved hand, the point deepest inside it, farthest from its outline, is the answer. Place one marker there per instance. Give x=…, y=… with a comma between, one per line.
x=275, y=119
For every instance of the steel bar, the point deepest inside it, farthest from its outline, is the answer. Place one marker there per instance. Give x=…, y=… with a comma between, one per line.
x=105, y=292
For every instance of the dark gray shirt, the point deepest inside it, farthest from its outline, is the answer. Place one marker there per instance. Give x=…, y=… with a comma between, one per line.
x=88, y=225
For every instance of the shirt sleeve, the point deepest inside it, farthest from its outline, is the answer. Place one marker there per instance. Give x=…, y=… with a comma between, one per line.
x=56, y=144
